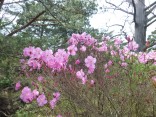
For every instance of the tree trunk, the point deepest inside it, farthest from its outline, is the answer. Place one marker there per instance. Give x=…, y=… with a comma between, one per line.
x=140, y=23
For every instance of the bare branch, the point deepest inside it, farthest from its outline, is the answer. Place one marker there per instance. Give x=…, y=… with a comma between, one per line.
x=149, y=11
x=151, y=18
x=26, y=25
x=116, y=25
x=50, y=12
x=148, y=7
x=151, y=23
x=43, y=24
x=118, y=8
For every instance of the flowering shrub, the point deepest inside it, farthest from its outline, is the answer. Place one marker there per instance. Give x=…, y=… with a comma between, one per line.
x=98, y=79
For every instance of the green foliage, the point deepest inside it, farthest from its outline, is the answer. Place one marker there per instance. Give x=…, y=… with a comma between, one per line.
x=152, y=39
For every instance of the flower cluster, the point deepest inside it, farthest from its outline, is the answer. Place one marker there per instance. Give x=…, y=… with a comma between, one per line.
x=81, y=75
x=90, y=63
x=84, y=39
x=83, y=66
x=28, y=96
x=54, y=100
x=37, y=57
x=145, y=57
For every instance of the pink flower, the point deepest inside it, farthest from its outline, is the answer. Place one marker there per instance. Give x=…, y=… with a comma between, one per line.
x=103, y=48
x=26, y=95
x=18, y=85
x=128, y=38
x=59, y=116
x=84, y=80
x=77, y=62
x=72, y=50
x=91, y=69
x=113, y=53
x=154, y=78
x=110, y=62
x=41, y=100
x=122, y=57
x=107, y=70
x=83, y=48
x=124, y=64
x=54, y=100
x=56, y=95
x=35, y=93
x=90, y=61
x=105, y=66
x=27, y=52
x=117, y=41
x=34, y=64
x=40, y=78
x=142, y=58
x=92, y=82
x=53, y=103
x=37, y=53
x=151, y=55
x=80, y=74
x=132, y=45
x=74, y=39
x=46, y=55
x=22, y=61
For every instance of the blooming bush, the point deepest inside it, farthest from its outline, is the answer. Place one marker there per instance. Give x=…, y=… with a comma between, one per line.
x=97, y=79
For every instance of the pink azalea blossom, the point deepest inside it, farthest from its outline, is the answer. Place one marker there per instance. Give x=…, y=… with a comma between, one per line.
x=34, y=64
x=107, y=70
x=37, y=53
x=59, y=116
x=80, y=74
x=151, y=55
x=46, y=55
x=35, y=93
x=84, y=80
x=113, y=53
x=110, y=62
x=132, y=45
x=83, y=48
x=56, y=95
x=117, y=41
x=41, y=100
x=26, y=95
x=103, y=48
x=92, y=82
x=72, y=50
x=154, y=78
x=91, y=69
x=90, y=61
x=122, y=57
x=106, y=66
x=40, y=78
x=27, y=52
x=142, y=58
x=77, y=62
x=124, y=64
x=53, y=103
x=22, y=61
x=18, y=85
